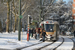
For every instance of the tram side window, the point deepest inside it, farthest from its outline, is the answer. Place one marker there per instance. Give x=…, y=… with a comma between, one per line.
x=49, y=27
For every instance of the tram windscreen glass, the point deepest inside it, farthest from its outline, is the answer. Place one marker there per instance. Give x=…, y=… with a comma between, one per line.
x=49, y=27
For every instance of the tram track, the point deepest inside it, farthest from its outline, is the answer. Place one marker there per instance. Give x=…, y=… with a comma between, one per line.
x=52, y=46
x=28, y=46
x=58, y=45
x=40, y=46
x=36, y=47
x=43, y=46
x=67, y=44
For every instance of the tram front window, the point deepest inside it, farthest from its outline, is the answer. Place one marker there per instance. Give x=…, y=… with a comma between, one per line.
x=49, y=27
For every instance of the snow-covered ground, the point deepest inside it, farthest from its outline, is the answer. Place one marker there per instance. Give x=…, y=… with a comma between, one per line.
x=68, y=44
x=10, y=40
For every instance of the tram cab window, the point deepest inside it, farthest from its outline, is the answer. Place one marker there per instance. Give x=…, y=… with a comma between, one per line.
x=49, y=27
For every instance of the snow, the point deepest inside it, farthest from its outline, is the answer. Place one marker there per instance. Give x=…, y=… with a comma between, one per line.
x=53, y=45
x=37, y=46
x=10, y=41
x=68, y=44
x=68, y=33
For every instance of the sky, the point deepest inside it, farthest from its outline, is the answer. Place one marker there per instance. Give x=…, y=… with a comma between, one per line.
x=66, y=1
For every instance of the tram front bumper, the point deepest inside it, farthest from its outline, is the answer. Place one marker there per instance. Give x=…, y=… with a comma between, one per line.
x=49, y=37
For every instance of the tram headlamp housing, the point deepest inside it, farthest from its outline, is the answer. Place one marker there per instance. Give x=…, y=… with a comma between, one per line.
x=47, y=22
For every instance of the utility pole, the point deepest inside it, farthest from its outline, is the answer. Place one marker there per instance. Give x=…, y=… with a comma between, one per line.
x=28, y=29
x=29, y=21
x=19, y=27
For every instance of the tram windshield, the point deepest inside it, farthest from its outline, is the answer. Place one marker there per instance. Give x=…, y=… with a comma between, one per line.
x=49, y=27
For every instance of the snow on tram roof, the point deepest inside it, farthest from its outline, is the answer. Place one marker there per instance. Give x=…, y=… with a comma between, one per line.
x=49, y=22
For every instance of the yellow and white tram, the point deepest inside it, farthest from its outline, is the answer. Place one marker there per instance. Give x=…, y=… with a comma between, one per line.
x=52, y=29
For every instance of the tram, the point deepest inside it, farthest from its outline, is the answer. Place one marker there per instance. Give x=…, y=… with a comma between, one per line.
x=52, y=29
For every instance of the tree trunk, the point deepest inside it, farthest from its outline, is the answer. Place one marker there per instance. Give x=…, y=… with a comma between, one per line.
x=8, y=12
x=17, y=21
x=0, y=26
x=15, y=17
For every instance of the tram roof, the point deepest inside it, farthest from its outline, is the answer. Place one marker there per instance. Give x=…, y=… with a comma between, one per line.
x=49, y=22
